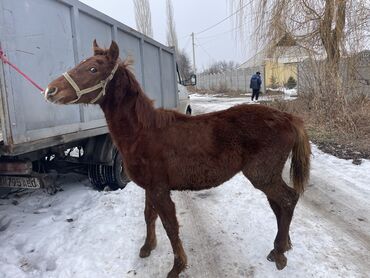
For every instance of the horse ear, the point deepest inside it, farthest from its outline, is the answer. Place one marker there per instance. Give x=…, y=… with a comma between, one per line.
x=97, y=49
x=113, y=51
x=95, y=44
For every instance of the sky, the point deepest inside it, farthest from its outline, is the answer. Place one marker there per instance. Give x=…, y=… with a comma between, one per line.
x=218, y=43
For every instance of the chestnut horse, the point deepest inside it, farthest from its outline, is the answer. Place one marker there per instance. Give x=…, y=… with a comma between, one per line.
x=164, y=150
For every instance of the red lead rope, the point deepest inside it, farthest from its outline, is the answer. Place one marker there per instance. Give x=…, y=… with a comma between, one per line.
x=6, y=61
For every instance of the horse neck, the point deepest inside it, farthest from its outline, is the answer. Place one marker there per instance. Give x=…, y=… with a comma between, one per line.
x=128, y=110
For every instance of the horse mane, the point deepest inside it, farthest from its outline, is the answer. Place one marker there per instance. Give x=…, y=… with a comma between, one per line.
x=147, y=115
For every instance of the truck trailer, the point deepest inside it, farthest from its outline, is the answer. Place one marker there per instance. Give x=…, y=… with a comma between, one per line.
x=40, y=140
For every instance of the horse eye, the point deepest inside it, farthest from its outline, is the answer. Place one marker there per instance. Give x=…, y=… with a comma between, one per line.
x=93, y=70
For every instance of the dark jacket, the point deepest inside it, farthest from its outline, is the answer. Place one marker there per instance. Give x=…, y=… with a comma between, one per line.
x=256, y=82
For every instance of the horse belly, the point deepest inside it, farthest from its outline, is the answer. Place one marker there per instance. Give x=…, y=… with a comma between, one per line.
x=196, y=173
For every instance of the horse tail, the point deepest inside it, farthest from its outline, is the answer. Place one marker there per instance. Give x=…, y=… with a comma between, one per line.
x=301, y=152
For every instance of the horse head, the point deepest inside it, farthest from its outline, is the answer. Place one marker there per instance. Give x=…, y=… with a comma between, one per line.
x=86, y=82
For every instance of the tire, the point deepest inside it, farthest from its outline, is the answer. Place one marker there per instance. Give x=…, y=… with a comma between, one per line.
x=119, y=177
x=95, y=174
x=113, y=176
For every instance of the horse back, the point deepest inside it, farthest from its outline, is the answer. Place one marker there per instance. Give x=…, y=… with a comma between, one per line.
x=203, y=151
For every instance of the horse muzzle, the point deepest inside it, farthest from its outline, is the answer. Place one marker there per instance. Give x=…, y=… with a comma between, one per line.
x=50, y=91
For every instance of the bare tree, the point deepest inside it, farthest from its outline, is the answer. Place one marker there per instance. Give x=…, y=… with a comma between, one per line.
x=333, y=31
x=220, y=66
x=143, y=17
x=325, y=26
x=184, y=64
x=171, y=30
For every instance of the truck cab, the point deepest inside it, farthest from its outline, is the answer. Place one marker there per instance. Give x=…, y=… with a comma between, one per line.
x=183, y=93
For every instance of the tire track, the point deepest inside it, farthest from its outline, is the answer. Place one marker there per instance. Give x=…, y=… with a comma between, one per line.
x=199, y=260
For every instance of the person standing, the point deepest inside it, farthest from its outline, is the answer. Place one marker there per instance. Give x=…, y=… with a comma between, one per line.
x=255, y=85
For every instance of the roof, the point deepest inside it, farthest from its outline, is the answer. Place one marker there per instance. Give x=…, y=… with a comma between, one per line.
x=287, y=50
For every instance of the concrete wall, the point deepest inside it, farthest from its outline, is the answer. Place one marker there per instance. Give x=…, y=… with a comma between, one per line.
x=236, y=80
x=355, y=73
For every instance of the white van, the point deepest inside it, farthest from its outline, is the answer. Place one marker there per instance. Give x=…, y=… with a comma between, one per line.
x=183, y=93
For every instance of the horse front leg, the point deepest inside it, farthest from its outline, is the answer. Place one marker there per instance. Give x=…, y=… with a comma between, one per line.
x=150, y=218
x=166, y=209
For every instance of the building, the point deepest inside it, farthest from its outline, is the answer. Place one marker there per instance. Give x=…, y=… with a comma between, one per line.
x=280, y=64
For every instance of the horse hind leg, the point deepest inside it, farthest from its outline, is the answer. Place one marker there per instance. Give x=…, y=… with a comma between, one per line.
x=283, y=200
x=150, y=218
x=277, y=211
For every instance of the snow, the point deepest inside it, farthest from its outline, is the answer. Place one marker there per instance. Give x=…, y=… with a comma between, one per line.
x=226, y=231
x=290, y=92
x=210, y=103
x=286, y=91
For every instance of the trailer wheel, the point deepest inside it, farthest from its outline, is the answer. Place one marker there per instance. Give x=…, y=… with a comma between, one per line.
x=95, y=174
x=113, y=176
x=119, y=177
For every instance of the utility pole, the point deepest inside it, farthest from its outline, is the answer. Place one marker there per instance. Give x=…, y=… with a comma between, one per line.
x=192, y=38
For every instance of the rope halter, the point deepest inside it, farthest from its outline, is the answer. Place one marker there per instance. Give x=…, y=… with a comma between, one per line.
x=102, y=84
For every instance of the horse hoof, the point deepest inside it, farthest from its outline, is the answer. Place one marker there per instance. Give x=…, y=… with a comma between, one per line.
x=281, y=262
x=279, y=259
x=172, y=274
x=271, y=256
x=147, y=248
x=145, y=251
x=178, y=267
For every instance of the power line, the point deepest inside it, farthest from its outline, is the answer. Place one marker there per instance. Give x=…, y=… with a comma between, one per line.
x=233, y=29
x=184, y=37
x=223, y=33
x=205, y=51
x=226, y=18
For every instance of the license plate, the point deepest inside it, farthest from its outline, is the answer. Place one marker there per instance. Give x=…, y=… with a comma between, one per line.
x=19, y=182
